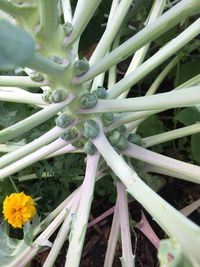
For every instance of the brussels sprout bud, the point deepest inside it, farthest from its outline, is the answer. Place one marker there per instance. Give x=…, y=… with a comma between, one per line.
x=67, y=27
x=100, y=92
x=89, y=148
x=70, y=134
x=57, y=96
x=88, y=100
x=122, y=129
x=36, y=76
x=122, y=143
x=46, y=96
x=56, y=59
x=80, y=142
x=135, y=139
x=63, y=120
x=81, y=66
x=91, y=129
x=114, y=137
x=107, y=118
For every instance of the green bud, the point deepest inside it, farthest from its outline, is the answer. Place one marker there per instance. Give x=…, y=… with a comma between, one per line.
x=114, y=137
x=91, y=129
x=57, y=96
x=70, y=134
x=80, y=142
x=63, y=120
x=68, y=28
x=135, y=139
x=100, y=92
x=36, y=76
x=122, y=129
x=46, y=96
x=89, y=148
x=107, y=118
x=88, y=100
x=122, y=142
x=56, y=59
x=81, y=66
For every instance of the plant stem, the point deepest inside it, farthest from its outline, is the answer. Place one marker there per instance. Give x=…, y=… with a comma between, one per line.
x=21, y=97
x=10, y=8
x=164, y=53
x=169, y=19
x=80, y=223
x=113, y=238
x=111, y=30
x=31, y=158
x=32, y=121
x=171, y=135
x=67, y=10
x=49, y=17
x=180, y=98
x=165, y=215
x=80, y=22
x=177, y=166
x=9, y=147
x=127, y=259
x=20, y=81
x=46, y=66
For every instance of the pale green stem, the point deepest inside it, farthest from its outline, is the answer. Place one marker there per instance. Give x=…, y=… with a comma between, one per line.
x=167, y=163
x=31, y=158
x=21, y=81
x=32, y=121
x=21, y=97
x=49, y=17
x=45, y=65
x=171, y=135
x=67, y=10
x=79, y=225
x=191, y=208
x=112, y=28
x=181, y=98
x=61, y=237
x=80, y=23
x=10, y=8
x=155, y=85
x=67, y=149
x=32, y=146
x=169, y=19
x=165, y=215
x=98, y=81
x=8, y=148
x=149, y=65
x=139, y=56
x=127, y=258
x=33, y=176
x=194, y=81
x=113, y=238
x=132, y=127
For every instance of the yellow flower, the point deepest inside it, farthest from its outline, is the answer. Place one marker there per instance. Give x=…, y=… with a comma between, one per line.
x=18, y=208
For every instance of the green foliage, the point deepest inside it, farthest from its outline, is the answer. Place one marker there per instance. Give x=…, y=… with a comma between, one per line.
x=16, y=46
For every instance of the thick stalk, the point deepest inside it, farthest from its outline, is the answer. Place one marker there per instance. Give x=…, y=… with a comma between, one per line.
x=67, y=10
x=164, y=53
x=80, y=23
x=79, y=226
x=167, y=163
x=31, y=158
x=32, y=121
x=127, y=258
x=113, y=238
x=169, y=19
x=164, y=214
x=111, y=30
x=20, y=81
x=181, y=98
x=171, y=135
x=49, y=17
x=9, y=148
x=10, y=8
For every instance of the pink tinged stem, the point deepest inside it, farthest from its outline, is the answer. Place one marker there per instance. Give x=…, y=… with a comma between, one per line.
x=127, y=258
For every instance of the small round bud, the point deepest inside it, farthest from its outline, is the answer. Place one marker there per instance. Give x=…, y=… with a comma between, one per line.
x=63, y=120
x=114, y=137
x=89, y=148
x=46, y=96
x=57, y=96
x=70, y=134
x=91, y=129
x=80, y=142
x=100, y=92
x=107, y=118
x=122, y=129
x=135, y=139
x=88, y=100
x=81, y=66
x=68, y=28
x=36, y=76
x=122, y=142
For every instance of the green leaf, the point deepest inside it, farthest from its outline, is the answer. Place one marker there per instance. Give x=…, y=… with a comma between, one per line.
x=16, y=46
x=195, y=147
x=28, y=233
x=188, y=116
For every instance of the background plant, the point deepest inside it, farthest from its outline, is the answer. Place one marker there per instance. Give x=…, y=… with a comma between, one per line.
x=50, y=38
